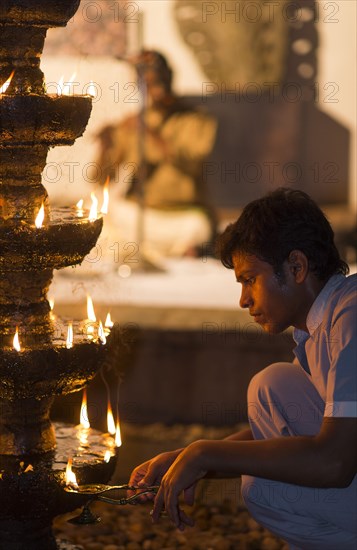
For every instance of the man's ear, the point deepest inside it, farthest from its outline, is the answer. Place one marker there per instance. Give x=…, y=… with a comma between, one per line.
x=298, y=265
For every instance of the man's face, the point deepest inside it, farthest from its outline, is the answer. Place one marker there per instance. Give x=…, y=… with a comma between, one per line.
x=155, y=88
x=274, y=304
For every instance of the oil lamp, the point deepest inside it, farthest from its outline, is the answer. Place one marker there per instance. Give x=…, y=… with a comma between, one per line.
x=41, y=363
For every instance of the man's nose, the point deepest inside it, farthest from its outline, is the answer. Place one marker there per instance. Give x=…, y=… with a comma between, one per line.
x=245, y=299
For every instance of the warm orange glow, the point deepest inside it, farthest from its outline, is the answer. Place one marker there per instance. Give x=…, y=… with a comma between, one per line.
x=69, y=341
x=60, y=85
x=105, y=206
x=90, y=309
x=66, y=88
x=107, y=456
x=70, y=475
x=51, y=303
x=110, y=419
x=84, y=421
x=6, y=84
x=40, y=217
x=79, y=207
x=93, y=213
x=118, y=440
x=108, y=322
x=91, y=89
x=16, y=341
x=101, y=333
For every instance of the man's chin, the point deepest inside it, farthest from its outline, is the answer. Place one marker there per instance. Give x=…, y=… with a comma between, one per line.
x=271, y=328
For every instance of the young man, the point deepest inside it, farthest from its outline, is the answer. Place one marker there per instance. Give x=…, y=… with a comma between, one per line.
x=298, y=458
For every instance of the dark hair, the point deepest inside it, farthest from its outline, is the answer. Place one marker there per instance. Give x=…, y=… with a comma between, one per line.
x=282, y=221
x=155, y=61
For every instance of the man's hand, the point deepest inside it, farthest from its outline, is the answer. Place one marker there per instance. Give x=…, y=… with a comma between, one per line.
x=151, y=472
x=180, y=477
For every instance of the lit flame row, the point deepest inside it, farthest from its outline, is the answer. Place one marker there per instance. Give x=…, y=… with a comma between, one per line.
x=102, y=331
x=65, y=88
x=93, y=213
x=113, y=429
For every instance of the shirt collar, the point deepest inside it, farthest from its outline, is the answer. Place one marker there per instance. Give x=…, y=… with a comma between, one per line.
x=316, y=313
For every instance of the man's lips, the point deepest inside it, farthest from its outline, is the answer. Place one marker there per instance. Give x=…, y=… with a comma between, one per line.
x=255, y=315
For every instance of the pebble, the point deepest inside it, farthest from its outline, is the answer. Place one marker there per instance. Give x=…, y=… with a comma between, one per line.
x=130, y=528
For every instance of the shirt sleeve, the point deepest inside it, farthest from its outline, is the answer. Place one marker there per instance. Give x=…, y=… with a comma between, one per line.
x=341, y=398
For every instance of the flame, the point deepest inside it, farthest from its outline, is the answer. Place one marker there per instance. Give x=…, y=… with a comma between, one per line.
x=101, y=333
x=93, y=213
x=16, y=341
x=60, y=86
x=91, y=317
x=66, y=88
x=84, y=421
x=118, y=440
x=110, y=419
x=108, y=322
x=69, y=341
x=6, y=84
x=40, y=217
x=90, y=309
x=79, y=207
x=70, y=475
x=107, y=456
x=51, y=303
x=105, y=206
x=91, y=89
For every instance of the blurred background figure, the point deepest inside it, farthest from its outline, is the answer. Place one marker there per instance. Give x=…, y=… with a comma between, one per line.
x=154, y=162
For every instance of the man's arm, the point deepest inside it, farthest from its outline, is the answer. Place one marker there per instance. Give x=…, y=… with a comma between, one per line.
x=325, y=460
x=242, y=435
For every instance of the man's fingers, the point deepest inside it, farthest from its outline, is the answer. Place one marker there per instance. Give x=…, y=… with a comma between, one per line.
x=158, y=506
x=187, y=520
x=189, y=495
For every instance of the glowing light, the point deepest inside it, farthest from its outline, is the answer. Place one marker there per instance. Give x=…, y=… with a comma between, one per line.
x=6, y=84
x=40, y=217
x=108, y=322
x=79, y=207
x=105, y=206
x=90, y=309
x=91, y=317
x=84, y=412
x=93, y=213
x=60, y=86
x=70, y=475
x=69, y=341
x=108, y=325
x=110, y=420
x=91, y=89
x=107, y=456
x=51, y=303
x=101, y=333
x=16, y=341
x=118, y=440
x=124, y=271
x=66, y=88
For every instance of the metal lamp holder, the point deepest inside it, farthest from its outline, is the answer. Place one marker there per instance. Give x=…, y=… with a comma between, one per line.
x=97, y=492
